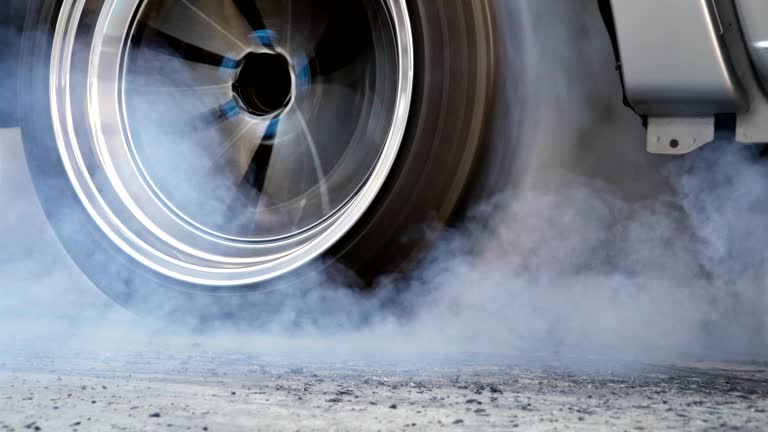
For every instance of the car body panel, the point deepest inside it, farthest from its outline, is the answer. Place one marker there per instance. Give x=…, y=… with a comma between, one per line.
x=753, y=15
x=674, y=58
x=694, y=69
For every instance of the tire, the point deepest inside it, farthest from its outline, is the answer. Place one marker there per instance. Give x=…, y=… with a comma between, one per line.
x=442, y=136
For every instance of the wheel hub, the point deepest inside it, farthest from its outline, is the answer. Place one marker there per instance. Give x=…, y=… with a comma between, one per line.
x=265, y=83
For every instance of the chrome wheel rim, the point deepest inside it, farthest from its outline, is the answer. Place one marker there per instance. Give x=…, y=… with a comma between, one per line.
x=228, y=144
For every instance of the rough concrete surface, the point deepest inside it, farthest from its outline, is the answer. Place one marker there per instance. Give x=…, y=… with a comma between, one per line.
x=205, y=392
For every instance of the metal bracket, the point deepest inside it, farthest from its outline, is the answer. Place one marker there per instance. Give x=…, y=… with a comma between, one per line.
x=752, y=126
x=677, y=135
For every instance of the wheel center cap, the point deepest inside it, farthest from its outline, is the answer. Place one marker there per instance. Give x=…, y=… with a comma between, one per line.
x=264, y=84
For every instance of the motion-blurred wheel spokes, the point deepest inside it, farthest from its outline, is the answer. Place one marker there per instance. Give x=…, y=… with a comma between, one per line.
x=256, y=174
x=345, y=39
x=157, y=40
x=252, y=14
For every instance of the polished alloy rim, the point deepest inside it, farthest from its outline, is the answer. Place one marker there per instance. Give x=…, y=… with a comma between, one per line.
x=228, y=143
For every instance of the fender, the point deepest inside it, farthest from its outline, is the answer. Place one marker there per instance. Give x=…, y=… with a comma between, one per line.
x=686, y=66
x=753, y=15
x=674, y=57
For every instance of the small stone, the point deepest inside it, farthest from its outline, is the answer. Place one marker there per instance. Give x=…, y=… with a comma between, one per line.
x=335, y=400
x=393, y=406
x=155, y=415
x=458, y=421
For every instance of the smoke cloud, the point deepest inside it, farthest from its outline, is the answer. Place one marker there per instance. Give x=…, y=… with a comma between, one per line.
x=581, y=244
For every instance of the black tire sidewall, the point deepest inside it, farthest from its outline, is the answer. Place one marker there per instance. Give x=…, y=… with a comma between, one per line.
x=453, y=94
